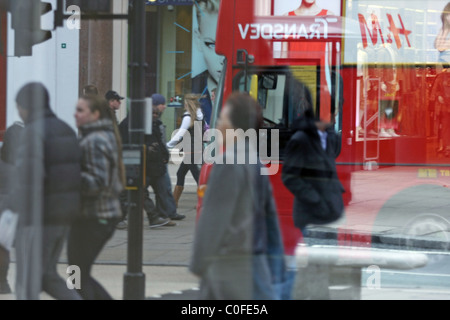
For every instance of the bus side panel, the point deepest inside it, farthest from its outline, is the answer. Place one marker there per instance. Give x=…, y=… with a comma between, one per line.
x=284, y=201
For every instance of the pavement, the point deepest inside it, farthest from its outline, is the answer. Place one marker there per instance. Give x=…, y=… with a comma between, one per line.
x=166, y=256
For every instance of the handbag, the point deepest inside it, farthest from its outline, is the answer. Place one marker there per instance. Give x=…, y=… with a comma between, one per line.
x=8, y=227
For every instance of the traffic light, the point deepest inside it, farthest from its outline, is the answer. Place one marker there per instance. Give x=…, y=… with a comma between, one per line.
x=26, y=22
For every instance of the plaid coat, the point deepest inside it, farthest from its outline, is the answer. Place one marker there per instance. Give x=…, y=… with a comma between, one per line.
x=100, y=178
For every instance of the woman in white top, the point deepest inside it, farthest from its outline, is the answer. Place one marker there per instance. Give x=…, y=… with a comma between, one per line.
x=189, y=138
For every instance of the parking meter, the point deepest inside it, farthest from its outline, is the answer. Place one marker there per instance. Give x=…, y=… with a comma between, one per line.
x=134, y=161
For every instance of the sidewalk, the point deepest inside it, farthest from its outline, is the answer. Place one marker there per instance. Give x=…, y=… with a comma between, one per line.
x=166, y=252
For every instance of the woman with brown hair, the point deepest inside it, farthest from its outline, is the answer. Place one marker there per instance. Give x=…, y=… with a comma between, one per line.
x=102, y=180
x=191, y=127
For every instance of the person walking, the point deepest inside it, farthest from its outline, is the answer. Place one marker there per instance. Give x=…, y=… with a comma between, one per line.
x=238, y=250
x=191, y=128
x=114, y=101
x=11, y=141
x=103, y=179
x=309, y=173
x=46, y=195
x=157, y=175
x=157, y=172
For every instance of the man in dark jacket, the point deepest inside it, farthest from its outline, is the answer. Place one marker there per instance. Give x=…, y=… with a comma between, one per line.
x=309, y=172
x=158, y=178
x=48, y=189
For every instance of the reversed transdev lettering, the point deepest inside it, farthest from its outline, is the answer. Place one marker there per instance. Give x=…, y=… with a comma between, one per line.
x=280, y=31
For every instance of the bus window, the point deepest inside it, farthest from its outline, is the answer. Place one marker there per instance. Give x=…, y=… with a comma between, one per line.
x=284, y=93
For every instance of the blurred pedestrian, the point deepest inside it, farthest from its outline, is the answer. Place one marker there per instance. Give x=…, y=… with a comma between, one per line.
x=309, y=172
x=192, y=126
x=46, y=195
x=103, y=178
x=11, y=141
x=238, y=251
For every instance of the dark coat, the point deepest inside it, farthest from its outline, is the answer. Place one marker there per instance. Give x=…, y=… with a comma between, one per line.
x=309, y=172
x=6, y=179
x=48, y=167
x=238, y=249
x=157, y=153
x=11, y=141
x=123, y=131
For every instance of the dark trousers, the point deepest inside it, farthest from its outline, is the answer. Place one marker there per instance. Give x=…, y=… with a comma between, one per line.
x=54, y=240
x=27, y=285
x=184, y=169
x=86, y=240
x=4, y=264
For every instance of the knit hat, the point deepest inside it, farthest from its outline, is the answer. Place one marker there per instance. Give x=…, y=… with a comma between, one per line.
x=158, y=99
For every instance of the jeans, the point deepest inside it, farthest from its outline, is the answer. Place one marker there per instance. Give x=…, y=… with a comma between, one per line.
x=86, y=240
x=27, y=286
x=287, y=286
x=165, y=203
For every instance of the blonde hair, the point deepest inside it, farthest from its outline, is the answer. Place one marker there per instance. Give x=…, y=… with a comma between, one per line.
x=192, y=104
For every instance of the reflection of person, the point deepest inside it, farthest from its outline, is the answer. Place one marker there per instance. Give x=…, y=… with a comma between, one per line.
x=389, y=94
x=442, y=41
x=103, y=179
x=48, y=180
x=9, y=149
x=441, y=93
x=237, y=250
x=309, y=172
x=310, y=8
x=192, y=157
x=207, y=12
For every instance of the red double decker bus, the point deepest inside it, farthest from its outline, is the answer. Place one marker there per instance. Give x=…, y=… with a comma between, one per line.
x=376, y=71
